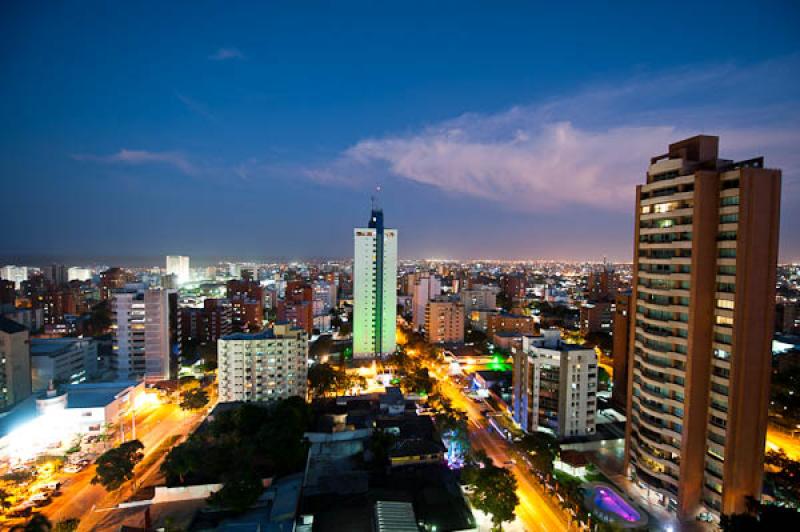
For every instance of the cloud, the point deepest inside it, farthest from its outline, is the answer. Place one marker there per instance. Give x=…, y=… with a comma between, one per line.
x=588, y=149
x=141, y=157
x=197, y=107
x=225, y=53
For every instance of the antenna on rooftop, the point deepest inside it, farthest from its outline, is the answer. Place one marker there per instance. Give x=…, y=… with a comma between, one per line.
x=374, y=198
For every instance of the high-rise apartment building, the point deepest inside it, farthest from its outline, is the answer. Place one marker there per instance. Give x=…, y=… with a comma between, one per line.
x=374, y=289
x=179, y=266
x=264, y=366
x=140, y=322
x=555, y=386
x=619, y=351
x=426, y=288
x=15, y=363
x=706, y=249
x=444, y=320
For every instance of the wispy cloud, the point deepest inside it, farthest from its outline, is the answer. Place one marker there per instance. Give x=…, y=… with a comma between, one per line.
x=142, y=157
x=195, y=106
x=225, y=53
x=588, y=149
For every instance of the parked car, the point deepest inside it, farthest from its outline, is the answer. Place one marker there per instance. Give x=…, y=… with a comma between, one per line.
x=72, y=468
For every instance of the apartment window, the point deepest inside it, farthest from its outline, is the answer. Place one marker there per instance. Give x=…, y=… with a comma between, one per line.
x=729, y=218
x=725, y=304
x=729, y=200
x=724, y=320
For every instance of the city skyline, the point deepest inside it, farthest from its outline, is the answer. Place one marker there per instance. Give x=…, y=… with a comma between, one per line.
x=480, y=124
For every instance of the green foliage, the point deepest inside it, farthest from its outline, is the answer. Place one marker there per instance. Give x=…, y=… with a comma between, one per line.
x=494, y=492
x=321, y=379
x=194, y=399
x=784, y=474
x=761, y=517
x=67, y=525
x=100, y=318
x=115, y=466
x=542, y=449
x=249, y=440
x=238, y=492
x=37, y=523
x=5, y=504
x=380, y=443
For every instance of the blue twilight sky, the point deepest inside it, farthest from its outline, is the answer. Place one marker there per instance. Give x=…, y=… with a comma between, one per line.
x=255, y=130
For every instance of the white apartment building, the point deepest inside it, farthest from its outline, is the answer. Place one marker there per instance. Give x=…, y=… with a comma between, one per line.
x=555, y=386
x=14, y=273
x=479, y=297
x=264, y=366
x=374, y=289
x=425, y=289
x=141, y=334
x=178, y=265
x=78, y=274
x=324, y=297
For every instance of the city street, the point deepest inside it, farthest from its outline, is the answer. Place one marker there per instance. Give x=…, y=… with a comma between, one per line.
x=79, y=496
x=536, y=510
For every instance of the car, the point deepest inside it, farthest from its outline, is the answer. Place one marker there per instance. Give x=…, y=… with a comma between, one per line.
x=509, y=463
x=22, y=510
x=43, y=502
x=52, y=486
x=72, y=468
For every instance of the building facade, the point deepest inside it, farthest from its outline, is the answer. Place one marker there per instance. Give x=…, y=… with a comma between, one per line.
x=444, y=321
x=374, y=289
x=140, y=323
x=554, y=386
x=619, y=351
x=706, y=249
x=178, y=265
x=264, y=366
x=426, y=287
x=15, y=363
x=62, y=361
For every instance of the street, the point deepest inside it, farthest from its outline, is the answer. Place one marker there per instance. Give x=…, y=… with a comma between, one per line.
x=86, y=501
x=536, y=510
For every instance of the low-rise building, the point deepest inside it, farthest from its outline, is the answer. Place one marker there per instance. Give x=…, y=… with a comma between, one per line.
x=62, y=361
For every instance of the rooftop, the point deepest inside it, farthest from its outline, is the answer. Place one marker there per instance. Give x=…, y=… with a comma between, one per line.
x=94, y=395
x=10, y=326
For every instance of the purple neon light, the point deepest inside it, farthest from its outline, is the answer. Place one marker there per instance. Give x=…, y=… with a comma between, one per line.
x=609, y=501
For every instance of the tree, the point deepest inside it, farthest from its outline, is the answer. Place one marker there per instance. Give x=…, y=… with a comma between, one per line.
x=238, y=493
x=494, y=492
x=37, y=523
x=321, y=379
x=67, y=525
x=5, y=504
x=380, y=443
x=100, y=318
x=115, y=466
x=181, y=461
x=542, y=449
x=784, y=474
x=194, y=399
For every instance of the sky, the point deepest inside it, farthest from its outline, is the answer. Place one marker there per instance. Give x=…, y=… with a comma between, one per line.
x=513, y=130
